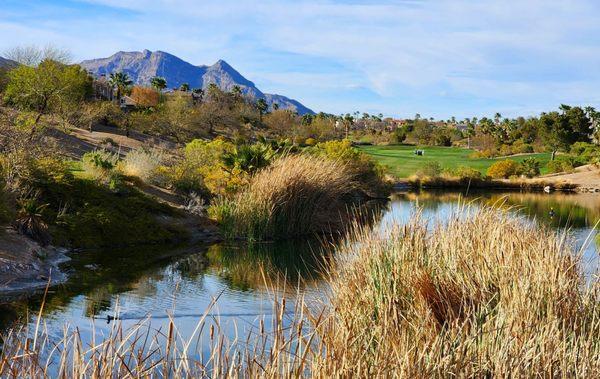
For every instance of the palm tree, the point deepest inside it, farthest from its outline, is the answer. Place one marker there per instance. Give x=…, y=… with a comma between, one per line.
x=236, y=90
x=159, y=83
x=185, y=87
x=197, y=95
x=262, y=107
x=497, y=118
x=120, y=81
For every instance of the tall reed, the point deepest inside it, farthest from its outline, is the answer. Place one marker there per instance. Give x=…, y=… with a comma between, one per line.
x=297, y=195
x=482, y=295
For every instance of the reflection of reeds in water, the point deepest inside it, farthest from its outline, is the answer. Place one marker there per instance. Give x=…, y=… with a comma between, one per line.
x=481, y=295
x=297, y=262
x=260, y=265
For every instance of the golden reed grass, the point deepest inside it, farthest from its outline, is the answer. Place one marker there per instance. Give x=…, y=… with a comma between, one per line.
x=482, y=295
x=297, y=195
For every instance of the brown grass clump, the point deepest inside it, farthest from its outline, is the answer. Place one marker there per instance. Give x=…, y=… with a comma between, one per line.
x=297, y=195
x=483, y=295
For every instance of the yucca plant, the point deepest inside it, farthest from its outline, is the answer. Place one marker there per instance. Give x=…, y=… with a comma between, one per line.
x=30, y=222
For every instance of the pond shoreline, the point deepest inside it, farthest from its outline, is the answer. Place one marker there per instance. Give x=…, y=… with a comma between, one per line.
x=526, y=185
x=27, y=268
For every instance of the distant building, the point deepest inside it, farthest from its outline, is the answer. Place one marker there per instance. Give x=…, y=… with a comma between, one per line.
x=103, y=90
x=127, y=103
x=461, y=127
x=396, y=123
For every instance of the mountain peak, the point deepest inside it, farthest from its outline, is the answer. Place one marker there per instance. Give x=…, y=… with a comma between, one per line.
x=142, y=66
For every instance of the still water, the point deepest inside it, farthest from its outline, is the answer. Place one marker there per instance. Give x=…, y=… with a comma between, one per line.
x=184, y=282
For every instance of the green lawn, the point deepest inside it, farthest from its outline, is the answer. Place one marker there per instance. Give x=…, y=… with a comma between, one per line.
x=402, y=162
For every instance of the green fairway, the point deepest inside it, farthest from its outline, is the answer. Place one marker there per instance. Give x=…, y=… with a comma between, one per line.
x=402, y=162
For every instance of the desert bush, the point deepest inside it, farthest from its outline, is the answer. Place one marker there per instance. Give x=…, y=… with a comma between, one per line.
x=530, y=167
x=488, y=153
x=100, y=165
x=142, y=163
x=431, y=169
x=368, y=174
x=297, y=195
x=465, y=172
x=503, y=169
x=310, y=142
x=30, y=221
x=520, y=147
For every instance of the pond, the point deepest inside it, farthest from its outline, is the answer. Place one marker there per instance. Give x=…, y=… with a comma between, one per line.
x=183, y=283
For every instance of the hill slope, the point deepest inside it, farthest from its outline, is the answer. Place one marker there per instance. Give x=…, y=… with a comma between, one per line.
x=141, y=66
x=7, y=63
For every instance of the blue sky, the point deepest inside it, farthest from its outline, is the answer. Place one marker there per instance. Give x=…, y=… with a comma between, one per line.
x=439, y=58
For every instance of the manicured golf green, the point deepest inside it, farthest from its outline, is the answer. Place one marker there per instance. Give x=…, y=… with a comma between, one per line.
x=402, y=162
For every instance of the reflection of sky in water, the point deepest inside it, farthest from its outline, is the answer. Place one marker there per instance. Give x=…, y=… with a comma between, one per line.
x=186, y=286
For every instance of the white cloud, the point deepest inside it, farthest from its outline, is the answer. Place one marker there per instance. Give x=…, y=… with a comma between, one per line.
x=509, y=53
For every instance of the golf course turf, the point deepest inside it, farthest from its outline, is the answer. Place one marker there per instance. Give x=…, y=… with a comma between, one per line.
x=401, y=161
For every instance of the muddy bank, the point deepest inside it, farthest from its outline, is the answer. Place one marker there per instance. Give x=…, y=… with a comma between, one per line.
x=26, y=266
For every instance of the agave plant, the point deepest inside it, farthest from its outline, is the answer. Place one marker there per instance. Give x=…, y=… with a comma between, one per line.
x=248, y=158
x=30, y=222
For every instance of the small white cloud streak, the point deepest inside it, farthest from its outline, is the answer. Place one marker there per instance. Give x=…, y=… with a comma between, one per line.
x=510, y=53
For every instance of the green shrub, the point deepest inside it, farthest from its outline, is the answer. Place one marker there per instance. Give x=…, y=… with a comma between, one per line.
x=585, y=153
x=310, y=142
x=520, y=147
x=100, y=165
x=488, y=153
x=506, y=150
x=503, y=169
x=530, y=167
x=465, y=172
x=5, y=209
x=431, y=169
x=367, y=173
x=557, y=166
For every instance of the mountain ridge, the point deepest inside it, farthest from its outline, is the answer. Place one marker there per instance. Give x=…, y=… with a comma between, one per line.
x=142, y=66
x=7, y=63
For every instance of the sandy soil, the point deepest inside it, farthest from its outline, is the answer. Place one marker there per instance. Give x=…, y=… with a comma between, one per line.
x=586, y=177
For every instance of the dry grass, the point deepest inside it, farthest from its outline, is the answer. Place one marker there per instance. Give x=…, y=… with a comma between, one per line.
x=297, y=195
x=482, y=295
x=142, y=163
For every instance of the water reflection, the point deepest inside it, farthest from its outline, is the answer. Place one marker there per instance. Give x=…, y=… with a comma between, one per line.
x=570, y=210
x=153, y=281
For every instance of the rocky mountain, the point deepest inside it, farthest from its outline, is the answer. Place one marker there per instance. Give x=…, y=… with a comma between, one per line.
x=7, y=63
x=141, y=66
